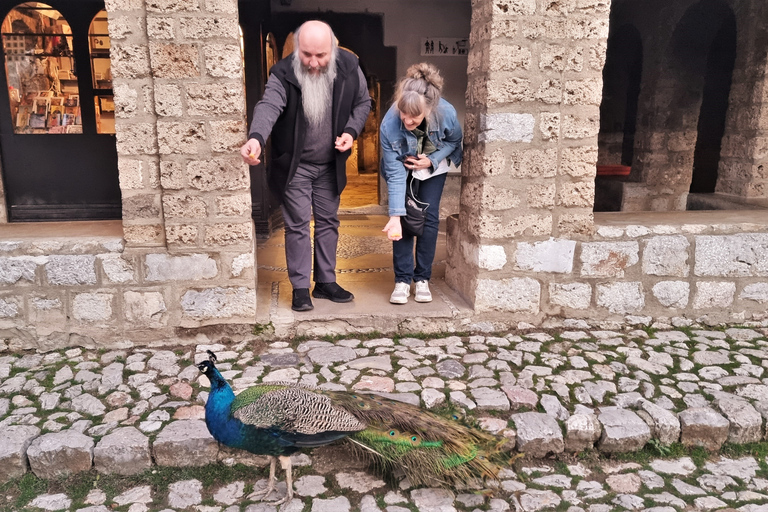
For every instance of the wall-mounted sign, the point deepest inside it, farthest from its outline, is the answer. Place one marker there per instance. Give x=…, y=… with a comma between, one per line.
x=444, y=46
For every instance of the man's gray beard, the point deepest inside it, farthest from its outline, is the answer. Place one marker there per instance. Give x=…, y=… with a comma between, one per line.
x=316, y=90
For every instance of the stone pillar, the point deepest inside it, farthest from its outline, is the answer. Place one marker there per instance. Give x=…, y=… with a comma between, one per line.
x=535, y=86
x=743, y=170
x=180, y=121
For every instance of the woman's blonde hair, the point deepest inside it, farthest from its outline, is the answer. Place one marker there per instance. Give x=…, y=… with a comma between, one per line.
x=419, y=92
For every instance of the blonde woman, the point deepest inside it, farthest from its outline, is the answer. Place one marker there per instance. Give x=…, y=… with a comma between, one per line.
x=420, y=137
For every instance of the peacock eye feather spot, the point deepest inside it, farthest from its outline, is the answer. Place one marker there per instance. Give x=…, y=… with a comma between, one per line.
x=391, y=432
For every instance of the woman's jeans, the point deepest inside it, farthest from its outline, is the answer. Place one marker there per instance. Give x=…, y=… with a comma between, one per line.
x=428, y=191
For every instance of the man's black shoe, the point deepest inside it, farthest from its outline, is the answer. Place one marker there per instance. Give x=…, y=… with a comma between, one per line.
x=301, y=300
x=331, y=291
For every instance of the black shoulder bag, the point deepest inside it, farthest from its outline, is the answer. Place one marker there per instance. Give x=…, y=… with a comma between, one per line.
x=415, y=211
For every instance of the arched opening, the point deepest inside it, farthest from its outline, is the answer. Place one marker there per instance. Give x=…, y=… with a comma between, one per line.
x=714, y=105
x=622, y=75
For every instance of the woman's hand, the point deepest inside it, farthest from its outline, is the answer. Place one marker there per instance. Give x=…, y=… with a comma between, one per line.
x=415, y=163
x=393, y=229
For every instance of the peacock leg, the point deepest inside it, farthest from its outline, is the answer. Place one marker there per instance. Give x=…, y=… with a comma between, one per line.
x=285, y=462
x=264, y=493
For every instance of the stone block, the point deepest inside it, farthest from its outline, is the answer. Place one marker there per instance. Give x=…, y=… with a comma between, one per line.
x=143, y=234
x=505, y=57
x=92, y=307
x=757, y=292
x=242, y=262
x=141, y=206
x=184, y=234
x=597, y=53
x=226, y=136
x=136, y=139
x=172, y=175
x=534, y=163
x=570, y=295
x=145, y=308
x=193, y=267
x=710, y=294
x=583, y=92
x=184, y=443
x=703, y=426
x=549, y=125
x=550, y=91
x=168, y=100
x=579, y=161
x=19, y=268
x=213, y=100
x=68, y=270
x=739, y=255
x=577, y=193
x=225, y=173
x=161, y=27
x=175, y=61
x=489, y=197
x=541, y=195
x=129, y=61
x=117, y=269
x=14, y=441
x=666, y=256
x=124, y=451
x=508, y=127
x=514, y=7
x=608, y=259
x=538, y=434
x=60, y=454
x=131, y=172
x=228, y=234
x=46, y=314
x=491, y=257
x=234, y=206
x=234, y=302
x=512, y=295
x=490, y=399
x=672, y=294
x=121, y=27
x=509, y=90
x=623, y=430
x=180, y=138
x=207, y=27
x=126, y=101
x=575, y=224
x=184, y=206
x=223, y=60
x=559, y=58
x=621, y=297
x=221, y=6
x=581, y=126
x=746, y=424
x=582, y=432
x=664, y=424
x=491, y=226
x=547, y=256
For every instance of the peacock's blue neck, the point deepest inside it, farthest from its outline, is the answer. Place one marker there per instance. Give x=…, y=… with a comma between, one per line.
x=222, y=426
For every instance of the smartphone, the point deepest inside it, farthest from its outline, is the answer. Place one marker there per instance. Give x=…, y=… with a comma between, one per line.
x=403, y=158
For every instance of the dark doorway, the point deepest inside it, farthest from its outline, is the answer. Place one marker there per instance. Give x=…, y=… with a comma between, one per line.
x=51, y=172
x=714, y=106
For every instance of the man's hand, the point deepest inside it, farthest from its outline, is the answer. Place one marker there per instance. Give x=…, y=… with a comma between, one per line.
x=251, y=151
x=344, y=142
x=393, y=229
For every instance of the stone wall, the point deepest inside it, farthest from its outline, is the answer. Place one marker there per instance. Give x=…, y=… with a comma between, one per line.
x=671, y=96
x=180, y=121
x=643, y=268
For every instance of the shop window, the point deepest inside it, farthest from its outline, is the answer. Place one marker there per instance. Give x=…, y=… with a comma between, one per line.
x=41, y=71
x=101, y=71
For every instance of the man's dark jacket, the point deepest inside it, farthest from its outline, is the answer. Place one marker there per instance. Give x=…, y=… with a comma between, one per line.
x=291, y=127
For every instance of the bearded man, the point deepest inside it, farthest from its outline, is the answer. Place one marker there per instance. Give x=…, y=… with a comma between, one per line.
x=315, y=105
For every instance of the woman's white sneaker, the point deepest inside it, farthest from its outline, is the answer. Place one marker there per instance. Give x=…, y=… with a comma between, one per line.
x=422, y=293
x=400, y=294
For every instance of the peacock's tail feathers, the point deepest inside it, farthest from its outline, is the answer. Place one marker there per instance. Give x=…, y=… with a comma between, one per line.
x=430, y=450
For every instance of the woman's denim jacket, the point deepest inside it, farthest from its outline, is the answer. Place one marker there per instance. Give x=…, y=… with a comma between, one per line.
x=397, y=141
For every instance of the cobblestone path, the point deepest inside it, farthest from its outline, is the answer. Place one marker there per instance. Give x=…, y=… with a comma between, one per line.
x=657, y=420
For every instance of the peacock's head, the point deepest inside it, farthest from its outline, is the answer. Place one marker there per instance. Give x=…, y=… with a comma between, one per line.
x=206, y=367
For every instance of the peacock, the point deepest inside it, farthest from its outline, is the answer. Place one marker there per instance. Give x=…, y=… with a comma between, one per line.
x=278, y=419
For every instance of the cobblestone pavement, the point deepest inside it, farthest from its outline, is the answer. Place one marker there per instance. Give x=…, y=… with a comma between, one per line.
x=570, y=400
